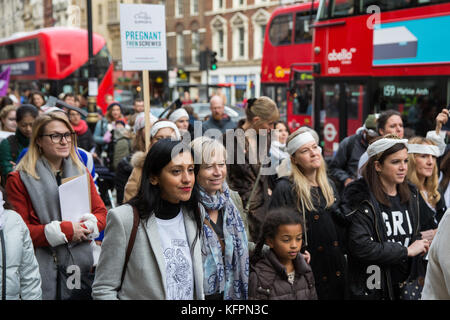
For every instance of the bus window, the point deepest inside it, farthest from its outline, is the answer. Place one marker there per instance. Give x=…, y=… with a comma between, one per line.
x=303, y=33
x=280, y=31
x=355, y=94
x=302, y=100
x=330, y=100
x=387, y=5
x=337, y=8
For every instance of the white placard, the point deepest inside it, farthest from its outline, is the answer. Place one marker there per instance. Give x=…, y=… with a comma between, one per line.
x=143, y=37
x=74, y=199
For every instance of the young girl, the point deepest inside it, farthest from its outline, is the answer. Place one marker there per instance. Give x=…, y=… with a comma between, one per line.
x=283, y=273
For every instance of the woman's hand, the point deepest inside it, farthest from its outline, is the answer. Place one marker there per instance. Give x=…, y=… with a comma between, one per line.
x=441, y=119
x=418, y=247
x=429, y=235
x=307, y=256
x=80, y=233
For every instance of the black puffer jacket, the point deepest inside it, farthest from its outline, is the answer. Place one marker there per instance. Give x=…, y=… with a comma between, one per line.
x=269, y=281
x=369, y=252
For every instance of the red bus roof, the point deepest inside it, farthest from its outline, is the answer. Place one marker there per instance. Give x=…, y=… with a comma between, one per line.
x=277, y=60
x=405, y=42
x=61, y=50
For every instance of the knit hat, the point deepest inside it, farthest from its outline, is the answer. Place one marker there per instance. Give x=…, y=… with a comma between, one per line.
x=371, y=122
x=178, y=114
x=114, y=104
x=139, y=123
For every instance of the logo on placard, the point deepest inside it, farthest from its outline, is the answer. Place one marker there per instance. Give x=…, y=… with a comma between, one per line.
x=143, y=18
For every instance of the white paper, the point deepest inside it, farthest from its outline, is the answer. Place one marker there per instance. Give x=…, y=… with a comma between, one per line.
x=74, y=199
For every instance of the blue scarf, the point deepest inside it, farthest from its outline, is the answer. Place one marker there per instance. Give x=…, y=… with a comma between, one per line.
x=231, y=278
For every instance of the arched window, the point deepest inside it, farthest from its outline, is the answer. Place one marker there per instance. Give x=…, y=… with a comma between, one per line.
x=239, y=27
x=259, y=20
x=219, y=37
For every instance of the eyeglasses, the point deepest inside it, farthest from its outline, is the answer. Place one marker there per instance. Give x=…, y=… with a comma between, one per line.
x=57, y=137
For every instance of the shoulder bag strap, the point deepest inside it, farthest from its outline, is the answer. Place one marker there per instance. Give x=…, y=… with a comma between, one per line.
x=222, y=244
x=3, y=265
x=130, y=243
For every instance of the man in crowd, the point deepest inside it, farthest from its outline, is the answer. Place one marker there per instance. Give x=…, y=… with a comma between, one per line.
x=344, y=166
x=218, y=119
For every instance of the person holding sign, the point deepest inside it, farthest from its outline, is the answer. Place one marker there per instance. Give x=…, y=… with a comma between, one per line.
x=62, y=247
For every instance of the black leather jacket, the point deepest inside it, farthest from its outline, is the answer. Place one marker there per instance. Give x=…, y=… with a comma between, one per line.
x=370, y=256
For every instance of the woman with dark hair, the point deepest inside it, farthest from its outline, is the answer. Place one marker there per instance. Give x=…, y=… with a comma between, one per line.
x=11, y=147
x=390, y=122
x=165, y=262
x=37, y=99
x=383, y=235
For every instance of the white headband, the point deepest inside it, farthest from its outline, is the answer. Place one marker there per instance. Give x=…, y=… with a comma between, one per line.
x=424, y=149
x=382, y=145
x=164, y=124
x=177, y=114
x=139, y=123
x=299, y=141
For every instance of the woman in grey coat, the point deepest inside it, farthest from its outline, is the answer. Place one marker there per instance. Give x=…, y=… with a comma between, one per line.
x=165, y=261
x=18, y=263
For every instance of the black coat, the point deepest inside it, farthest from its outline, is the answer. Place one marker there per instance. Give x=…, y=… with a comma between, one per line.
x=344, y=164
x=326, y=235
x=369, y=251
x=123, y=172
x=268, y=280
x=428, y=218
x=86, y=141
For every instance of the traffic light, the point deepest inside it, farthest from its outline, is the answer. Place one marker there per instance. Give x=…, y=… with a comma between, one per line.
x=213, y=60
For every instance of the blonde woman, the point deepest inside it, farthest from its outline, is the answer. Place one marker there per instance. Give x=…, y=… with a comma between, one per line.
x=248, y=154
x=224, y=238
x=33, y=191
x=423, y=173
x=309, y=190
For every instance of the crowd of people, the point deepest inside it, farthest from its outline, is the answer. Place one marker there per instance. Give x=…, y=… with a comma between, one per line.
x=247, y=210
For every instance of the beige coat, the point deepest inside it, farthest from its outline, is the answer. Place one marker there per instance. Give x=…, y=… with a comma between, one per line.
x=134, y=181
x=437, y=279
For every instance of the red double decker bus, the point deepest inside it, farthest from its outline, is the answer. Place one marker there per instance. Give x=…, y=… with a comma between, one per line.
x=55, y=60
x=374, y=55
x=286, y=69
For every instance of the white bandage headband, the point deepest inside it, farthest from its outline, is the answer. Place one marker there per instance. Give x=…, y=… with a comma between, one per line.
x=382, y=145
x=164, y=124
x=139, y=123
x=299, y=141
x=178, y=114
x=424, y=149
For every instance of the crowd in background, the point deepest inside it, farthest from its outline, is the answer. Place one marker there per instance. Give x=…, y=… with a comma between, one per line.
x=163, y=226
